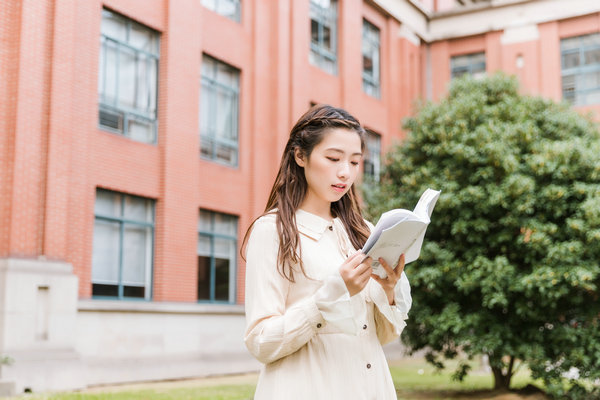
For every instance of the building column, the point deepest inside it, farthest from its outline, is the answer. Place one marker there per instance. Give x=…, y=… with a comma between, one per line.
x=38, y=290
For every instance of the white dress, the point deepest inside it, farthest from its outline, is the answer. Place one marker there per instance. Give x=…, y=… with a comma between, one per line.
x=315, y=341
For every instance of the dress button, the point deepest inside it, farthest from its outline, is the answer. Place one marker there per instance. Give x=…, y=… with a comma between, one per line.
x=368, y=365
x=330, y=227
x=365, y=326
x=319, y=325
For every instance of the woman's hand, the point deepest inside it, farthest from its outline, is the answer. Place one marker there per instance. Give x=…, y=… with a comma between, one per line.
x=356, y=274
x=393, y=275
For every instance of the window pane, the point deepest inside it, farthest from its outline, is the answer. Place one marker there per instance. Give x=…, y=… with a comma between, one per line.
x=108, y=204
x=226, y=154
x=205, y=221
x=372, y=160
x=134, y=291
x=207, y=93
x=142, y=38
x=570, y=43
x=113, y=26
x=136, y=246
x=203, y=278
x=206, y=147
x=109, y=82
x=225, y=224
x=222, y=279
x=105, y=254
x=152, y=70
x=227, y=75
x=589, y=40
x=127, y=77
x=224, y=248
x=226, y=103
x=592, y=56
x=137, y=209
x=367, y=64
x=327, y=38
x=204, y=248
x=314, y=31
x=208, y=67
x=571, y=60
x=140, y=130
x=142, y=100
x=99, y=289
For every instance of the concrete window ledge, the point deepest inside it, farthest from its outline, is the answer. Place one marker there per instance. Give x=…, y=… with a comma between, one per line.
x=158, y=307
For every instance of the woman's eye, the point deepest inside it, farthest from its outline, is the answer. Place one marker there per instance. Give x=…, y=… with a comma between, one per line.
x=333, y=159
x=354, y=163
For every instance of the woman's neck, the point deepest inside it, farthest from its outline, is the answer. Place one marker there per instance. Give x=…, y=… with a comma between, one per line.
x=322, y=210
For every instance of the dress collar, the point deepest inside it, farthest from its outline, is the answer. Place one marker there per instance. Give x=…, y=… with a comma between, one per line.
x=312, y=225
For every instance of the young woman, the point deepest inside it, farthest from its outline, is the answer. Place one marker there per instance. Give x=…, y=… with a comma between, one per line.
x=316, y=315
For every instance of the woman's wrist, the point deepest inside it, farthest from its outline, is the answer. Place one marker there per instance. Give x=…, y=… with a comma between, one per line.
x=391, y=297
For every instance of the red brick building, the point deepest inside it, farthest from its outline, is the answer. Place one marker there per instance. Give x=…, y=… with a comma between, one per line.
x=139, y=139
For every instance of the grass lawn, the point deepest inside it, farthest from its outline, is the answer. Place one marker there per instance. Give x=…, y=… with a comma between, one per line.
x=414, y=380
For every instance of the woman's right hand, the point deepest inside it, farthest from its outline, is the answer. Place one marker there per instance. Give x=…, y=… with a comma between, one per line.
x=355, y=274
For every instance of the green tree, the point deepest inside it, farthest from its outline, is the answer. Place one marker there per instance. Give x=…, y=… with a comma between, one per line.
x=510, y=265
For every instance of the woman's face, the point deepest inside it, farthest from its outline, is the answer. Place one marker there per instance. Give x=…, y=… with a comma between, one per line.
x=332, y=167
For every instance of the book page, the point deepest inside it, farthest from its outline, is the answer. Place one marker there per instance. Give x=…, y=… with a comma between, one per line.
x=400, y=231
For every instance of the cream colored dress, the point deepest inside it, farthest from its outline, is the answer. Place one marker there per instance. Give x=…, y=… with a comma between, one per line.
x=317, y=342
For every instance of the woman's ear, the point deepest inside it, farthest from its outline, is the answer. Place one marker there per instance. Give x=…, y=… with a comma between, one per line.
x=299, y=157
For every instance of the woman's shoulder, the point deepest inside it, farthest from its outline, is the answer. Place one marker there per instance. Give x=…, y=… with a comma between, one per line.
x=265, y=224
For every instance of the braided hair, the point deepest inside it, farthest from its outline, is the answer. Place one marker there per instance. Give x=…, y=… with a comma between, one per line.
x=290, y=187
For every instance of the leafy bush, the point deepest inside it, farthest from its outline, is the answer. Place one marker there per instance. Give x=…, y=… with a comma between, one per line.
x=510, y=266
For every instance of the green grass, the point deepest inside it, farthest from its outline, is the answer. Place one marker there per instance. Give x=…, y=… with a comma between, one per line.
x=413, y=378
x=227, y=392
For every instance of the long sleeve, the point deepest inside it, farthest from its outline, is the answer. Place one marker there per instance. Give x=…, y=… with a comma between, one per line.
x=272, y=330
x=390, y=320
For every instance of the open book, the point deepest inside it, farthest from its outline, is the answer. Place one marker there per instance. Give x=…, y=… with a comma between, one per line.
x=400, y=231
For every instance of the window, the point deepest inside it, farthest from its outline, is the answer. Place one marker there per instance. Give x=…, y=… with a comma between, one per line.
x=128, y=78
x=473, y=64
x=323, y=35
x=372, y=158
x=371, y=61
x=123, y=246
x=217, y=244
x=580, y=64
x=219, y=111
x=231, y=9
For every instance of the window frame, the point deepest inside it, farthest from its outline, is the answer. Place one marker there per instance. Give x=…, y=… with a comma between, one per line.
x=579, y=70
x=124, y=112
x=122, y=221
x=212, y=137
x=211, y=235
x=371, y=82
x=319, y=55
x=471, y=68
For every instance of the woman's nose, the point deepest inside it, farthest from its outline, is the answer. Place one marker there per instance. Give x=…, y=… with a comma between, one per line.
x=344, y=170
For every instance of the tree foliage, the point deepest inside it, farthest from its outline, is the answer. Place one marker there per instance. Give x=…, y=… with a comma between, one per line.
x=510, y=267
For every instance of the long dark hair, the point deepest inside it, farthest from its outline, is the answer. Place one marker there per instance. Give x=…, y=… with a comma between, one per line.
x=290, y=187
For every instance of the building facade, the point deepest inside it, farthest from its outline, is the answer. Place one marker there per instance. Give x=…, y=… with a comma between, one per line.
x=138, y=141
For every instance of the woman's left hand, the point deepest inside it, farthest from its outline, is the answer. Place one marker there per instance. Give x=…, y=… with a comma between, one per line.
x=393, y=275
